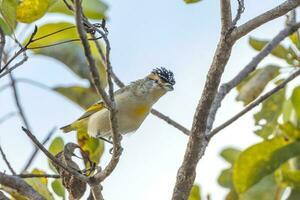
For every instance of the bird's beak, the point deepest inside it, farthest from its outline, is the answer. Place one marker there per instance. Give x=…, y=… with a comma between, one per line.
x=168, y=87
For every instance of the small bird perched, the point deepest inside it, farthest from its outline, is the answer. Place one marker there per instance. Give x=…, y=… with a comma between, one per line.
x=133, y=104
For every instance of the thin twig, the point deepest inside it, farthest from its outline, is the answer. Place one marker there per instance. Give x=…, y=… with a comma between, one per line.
x=7, y=116
x=2, y=44
x=54, y=159
x=239, y=12
x=17, y=101
x=38, y=175
x=254, y=104
x=6, y=161
x=36, y=150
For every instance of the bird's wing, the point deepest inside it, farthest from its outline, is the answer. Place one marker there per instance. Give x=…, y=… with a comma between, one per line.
x=93, y=109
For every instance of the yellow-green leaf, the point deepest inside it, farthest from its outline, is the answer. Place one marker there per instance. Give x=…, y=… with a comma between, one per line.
x=40, y=185
x=290, y=130
x=225, y=178
x=263, y=190
x=230, y=154
x=195, y=193
x=260, y=160
x=251, y=89
x=266, y=118
x=287, y=176
x=84, y=97
x=58, y=188
x=191, y=1
x=94, y=148
x=295, y=98
x=31, y=10
x=50, y=28
x=295, y=39
x=280, y=51
x=93, y=9
x=8, y=13
x=56, y=146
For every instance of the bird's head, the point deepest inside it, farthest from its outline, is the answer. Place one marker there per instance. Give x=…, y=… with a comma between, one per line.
x=161, y=79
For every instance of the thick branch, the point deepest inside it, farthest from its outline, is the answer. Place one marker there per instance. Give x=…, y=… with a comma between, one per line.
x=3, y=197
x=276, y=12
x=197, y=141
x=250, y=67
x=20, y=186
x=226, y=17
x=254, y=104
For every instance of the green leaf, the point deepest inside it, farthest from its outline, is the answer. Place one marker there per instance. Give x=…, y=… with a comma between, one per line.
x=31, y=10
x=295, y=39
x=93, y=147
x=266, y=118
x=40, y=185
x=262, y=159
x=286, y=176
x=280, y=51
x=191, y=1
x=295, y=98
x=264, y=190
x=58, y=188
x=195, y=193
x=56, y=146
x=251, y=89
x=225, y=178
x=84, y=97
x=287, y=111
x=93, y=9
x=8, y=12
x=230, y=154
x=72, y=55
x=5, y=27
x=295, y=195
x=290, y=130
x=232, y=195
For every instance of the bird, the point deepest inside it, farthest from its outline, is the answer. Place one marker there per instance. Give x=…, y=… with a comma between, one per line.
x=133, y=103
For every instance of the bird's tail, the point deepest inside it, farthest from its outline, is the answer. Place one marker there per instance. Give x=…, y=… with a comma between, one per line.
x=67, y=128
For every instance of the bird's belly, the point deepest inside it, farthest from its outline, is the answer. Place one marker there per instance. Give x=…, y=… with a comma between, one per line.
x=129, y=120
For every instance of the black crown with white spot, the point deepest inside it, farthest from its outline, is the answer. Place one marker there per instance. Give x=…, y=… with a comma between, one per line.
x=165, y=75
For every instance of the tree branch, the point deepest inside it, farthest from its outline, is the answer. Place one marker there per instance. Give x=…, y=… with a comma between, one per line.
x=38, y=176
x=54, y=159
x=276, y=12
x=3, y=197
x=250, y=67
x=226, y=17
x=198, y=139
x=6, y=161
x=36, y=150
x=2, y=44
x=254, y=104
x=95, y=181
x=20, y=186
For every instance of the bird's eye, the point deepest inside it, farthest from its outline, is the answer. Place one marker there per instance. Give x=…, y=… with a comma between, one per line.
x=156, y=81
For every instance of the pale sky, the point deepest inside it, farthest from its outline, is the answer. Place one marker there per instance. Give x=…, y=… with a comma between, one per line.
x=145, y=35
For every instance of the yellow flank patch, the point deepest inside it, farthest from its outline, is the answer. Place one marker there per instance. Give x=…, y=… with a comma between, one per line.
x=141, y=110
